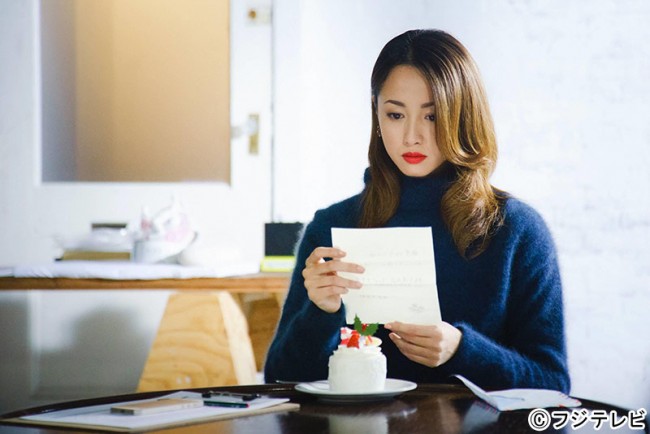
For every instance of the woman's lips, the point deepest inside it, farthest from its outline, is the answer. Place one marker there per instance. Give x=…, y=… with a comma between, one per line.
x=413, y=157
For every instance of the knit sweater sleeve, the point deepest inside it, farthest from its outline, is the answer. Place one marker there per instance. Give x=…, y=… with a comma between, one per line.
x=533, y=354
x=306, y=335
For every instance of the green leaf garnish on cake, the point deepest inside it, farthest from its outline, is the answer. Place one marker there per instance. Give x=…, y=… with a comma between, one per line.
x=350, y=338
x=365, y=329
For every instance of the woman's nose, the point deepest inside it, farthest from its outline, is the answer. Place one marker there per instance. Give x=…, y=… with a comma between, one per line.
x=413, y=133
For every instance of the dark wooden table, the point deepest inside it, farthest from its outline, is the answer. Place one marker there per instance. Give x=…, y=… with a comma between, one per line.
x=438, y=409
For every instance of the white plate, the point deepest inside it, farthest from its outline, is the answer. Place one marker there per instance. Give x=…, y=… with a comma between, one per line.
x=322, y=390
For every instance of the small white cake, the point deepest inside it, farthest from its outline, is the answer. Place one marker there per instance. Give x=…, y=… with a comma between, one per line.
x=359, y=369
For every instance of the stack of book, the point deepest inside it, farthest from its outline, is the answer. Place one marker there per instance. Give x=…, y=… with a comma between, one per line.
x=105, y=242
x=94, y=255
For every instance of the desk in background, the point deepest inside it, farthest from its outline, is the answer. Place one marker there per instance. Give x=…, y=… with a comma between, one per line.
x=204, y=338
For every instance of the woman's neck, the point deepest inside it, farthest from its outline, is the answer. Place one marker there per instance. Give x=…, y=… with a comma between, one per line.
x=426, y=191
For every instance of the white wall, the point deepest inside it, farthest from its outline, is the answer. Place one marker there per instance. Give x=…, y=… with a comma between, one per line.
x=43, y=332
x=568, y=87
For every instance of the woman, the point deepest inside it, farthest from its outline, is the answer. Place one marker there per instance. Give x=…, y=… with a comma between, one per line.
x=431, y=153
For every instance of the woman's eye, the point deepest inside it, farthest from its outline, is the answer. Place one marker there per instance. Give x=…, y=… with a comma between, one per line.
x=431, y=118
x=395, y=115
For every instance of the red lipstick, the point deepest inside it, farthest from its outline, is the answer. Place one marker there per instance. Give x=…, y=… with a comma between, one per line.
x=413, y=157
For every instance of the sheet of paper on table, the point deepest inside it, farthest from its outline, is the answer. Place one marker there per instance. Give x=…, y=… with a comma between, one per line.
x=100, y=416
x=520, y=399
x=399, y=282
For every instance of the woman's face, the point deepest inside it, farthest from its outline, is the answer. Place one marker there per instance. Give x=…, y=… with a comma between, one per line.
x=407, y=122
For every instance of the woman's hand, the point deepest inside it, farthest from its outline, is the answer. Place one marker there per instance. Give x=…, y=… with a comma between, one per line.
x=430, y=345
x=324, y=285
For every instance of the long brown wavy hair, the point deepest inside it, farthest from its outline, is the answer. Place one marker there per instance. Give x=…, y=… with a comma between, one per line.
x=471, y=207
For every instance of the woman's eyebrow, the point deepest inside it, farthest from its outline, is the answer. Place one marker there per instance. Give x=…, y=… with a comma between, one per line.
x=397, y=103
x=401, y=104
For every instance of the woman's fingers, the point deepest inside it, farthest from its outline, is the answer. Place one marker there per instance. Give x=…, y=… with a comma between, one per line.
x=428, y=345
x=413, y=348
x=330, y=268
x=423, y=355
x=317, y=259
x=320, y=253
x=323, y=283
x=320, y=286
x=404, y=329
x=338, y=265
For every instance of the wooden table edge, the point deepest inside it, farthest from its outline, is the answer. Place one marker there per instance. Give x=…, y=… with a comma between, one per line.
x=262, y=282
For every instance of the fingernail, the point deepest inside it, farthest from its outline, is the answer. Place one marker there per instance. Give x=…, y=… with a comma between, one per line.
x=360, y=269
x=388, y=326
x=358, y=284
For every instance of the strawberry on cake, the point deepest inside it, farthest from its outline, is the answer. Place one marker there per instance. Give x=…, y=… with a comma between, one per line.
x=358, y=365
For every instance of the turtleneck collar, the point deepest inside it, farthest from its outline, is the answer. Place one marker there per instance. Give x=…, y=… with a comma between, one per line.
x=424, y=192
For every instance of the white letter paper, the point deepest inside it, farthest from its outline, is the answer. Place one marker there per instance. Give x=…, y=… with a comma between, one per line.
x=399, y=283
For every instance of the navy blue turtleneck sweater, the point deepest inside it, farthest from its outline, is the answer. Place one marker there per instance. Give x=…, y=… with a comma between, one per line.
x=507, y=302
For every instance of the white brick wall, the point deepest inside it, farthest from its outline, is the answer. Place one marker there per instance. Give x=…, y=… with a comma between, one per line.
x=570, y=92
x=577, y=130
